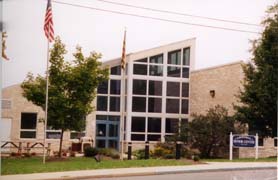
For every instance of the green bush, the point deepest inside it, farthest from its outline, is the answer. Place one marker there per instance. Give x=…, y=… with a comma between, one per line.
x=113, y=153
x=90, y=151
x=139, y=154
x=168, y=156
x=196, y=158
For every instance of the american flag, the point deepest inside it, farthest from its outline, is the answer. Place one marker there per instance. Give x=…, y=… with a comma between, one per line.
x=48, y=23
x=123, y=61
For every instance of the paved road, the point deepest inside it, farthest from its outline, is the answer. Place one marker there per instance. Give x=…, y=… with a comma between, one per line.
x=263, y=174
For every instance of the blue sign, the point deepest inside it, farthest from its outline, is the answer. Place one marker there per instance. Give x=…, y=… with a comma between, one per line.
x=244, y=141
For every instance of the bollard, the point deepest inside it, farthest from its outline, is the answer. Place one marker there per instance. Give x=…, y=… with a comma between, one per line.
x=178, y=150
x=129, y=150
x=147, y=150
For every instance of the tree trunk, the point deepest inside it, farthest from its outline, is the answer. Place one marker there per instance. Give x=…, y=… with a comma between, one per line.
x=61, y=143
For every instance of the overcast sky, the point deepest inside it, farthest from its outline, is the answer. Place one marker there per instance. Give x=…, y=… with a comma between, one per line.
x=103, y=31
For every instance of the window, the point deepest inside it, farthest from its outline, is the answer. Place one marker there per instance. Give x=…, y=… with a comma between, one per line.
x=144, y=60
x=101, y=117
x=115, y=104
x=173, y=89
x=138, y=137
x=28, y=125
x=157, y=59
x=185, y=72
x=155, y=88
x=138, y=124
x=53, y=134
x=184, y=106
x=139, y=87
x=140, y=69
x=139, y=104
x=115, y=86
x=76, y=135
x=113, y=130
x=101, y=103
x=154, y=125
x=154, y=105
x=172, y=106
x=156, y=70
x=173, y=71
x=153, y=137
x=115, y=70
x=172, y=125
x=186, y=56
x=103, y=88
x=174, y=57
x=185, y=89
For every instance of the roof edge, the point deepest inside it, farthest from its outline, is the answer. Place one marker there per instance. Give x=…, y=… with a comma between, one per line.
x=218, y=66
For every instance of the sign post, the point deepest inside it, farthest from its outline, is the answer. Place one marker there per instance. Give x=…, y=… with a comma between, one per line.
x=243, y=141
x=231, y=146
x=257, y=147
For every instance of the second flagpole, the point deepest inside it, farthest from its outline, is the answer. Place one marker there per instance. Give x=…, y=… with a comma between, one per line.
x=46, y=101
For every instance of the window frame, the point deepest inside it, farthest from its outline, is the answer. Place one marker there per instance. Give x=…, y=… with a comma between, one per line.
x=28, y=130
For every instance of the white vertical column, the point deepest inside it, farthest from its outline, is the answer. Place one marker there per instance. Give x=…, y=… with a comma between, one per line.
x=257, y=146
x=164, y=81
x=231, y=146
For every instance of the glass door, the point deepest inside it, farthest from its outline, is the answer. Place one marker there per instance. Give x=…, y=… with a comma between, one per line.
x=107, y=133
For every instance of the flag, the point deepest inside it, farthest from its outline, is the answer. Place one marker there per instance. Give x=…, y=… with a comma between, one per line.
x=48, y=22
x=123, y=61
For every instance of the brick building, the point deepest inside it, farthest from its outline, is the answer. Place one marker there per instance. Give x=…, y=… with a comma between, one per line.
x=162, y=89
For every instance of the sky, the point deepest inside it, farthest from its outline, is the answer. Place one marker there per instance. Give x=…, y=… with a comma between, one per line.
x=103, y=32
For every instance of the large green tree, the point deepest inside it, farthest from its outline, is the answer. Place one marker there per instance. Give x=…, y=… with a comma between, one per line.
x=209, y=133
x=72, y=88
x=258, y=99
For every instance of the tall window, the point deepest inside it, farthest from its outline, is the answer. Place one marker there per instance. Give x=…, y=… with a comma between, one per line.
x=186, y=56
x=146, y=129
x=174, y=57
x=108, y=98
x=28, y=125
x=115, y=70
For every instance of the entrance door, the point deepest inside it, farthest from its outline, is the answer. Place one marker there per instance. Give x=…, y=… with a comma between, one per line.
x=107, y=134
x=5, y=133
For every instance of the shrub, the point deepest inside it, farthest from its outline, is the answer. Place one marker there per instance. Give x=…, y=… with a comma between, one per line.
x=113, y=153
x=196, y=158
x=90, y=151
x=27, y=155
x=13, y=154
x=33, y=154
x=139, y=154
x=169, y=156
x=72, y=154
x=115, y=156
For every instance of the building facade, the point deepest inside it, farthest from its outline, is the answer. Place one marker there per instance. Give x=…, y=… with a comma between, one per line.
x=158, y=91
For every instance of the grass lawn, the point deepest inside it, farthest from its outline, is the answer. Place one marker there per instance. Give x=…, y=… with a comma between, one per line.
x=270, y=159
x=34, y=164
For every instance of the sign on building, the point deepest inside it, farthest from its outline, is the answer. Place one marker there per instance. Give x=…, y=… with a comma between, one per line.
x=243, y=141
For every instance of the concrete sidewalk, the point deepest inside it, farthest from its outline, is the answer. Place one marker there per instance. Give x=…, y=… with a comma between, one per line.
x=212, y=166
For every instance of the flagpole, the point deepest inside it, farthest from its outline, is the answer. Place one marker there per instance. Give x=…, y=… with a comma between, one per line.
x=122, y=114
x=123, y=67
x=46, y=100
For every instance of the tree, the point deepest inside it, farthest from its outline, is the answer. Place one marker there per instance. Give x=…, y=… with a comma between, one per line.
x=258, y=99
x=210, y=133
x=72, y=88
